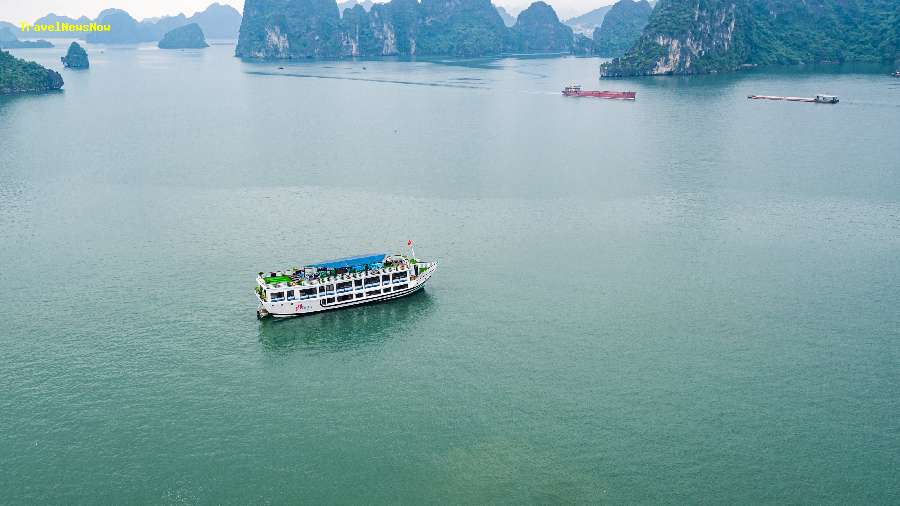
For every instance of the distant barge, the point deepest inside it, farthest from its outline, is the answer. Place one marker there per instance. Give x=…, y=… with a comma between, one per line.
x=576, y=91
x=818, y=99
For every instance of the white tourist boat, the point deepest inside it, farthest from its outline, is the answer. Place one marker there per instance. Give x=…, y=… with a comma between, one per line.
x=340, y=283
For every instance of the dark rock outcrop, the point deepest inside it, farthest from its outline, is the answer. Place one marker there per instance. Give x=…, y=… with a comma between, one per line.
x=76, y=57
x=700, y=36
x=538, y=29
x=184, y=37
x=20, y=76
x=621, y=27
x=582, y=45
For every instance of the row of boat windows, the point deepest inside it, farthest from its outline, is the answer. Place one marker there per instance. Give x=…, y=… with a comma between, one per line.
x=342, y=287
x=360, y=295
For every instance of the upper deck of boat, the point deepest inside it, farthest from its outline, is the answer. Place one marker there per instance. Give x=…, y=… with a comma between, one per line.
x=348, y=268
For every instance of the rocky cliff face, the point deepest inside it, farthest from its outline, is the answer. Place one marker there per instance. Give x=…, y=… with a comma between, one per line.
x=538, y=29
x=699, y=36
x=20, y=76
x=189, y=36
x=461, y=28
x=289, y=29
x=386, y=29
x=434, y=27
x=76, y=57
x=622, y=27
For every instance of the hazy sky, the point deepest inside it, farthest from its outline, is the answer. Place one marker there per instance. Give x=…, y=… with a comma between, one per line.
x=17, y=11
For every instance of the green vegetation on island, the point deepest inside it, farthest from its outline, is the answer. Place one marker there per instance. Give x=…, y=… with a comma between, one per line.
x=622, y=27
x=20, y=76
x=700, y=36
x=462, y=28
x=76, y=57
x=538, y=28
x=184, y=37
x=459, y=28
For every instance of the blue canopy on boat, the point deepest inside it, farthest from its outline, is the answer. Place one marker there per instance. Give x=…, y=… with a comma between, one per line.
x=356, y=263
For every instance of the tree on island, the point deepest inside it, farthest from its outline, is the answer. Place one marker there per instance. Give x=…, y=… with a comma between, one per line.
x=20, y=76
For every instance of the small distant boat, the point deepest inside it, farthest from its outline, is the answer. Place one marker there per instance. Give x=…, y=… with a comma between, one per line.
x=341, y=283
x=576, y=91
x=896, y=74
x=818, y=99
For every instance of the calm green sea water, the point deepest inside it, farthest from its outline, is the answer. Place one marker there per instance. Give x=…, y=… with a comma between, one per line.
x=692, y=298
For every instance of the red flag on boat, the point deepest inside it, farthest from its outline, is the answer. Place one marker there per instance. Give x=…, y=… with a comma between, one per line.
x=409, y=242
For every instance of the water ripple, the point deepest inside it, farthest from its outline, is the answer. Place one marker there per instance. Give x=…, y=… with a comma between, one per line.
x=345, y=78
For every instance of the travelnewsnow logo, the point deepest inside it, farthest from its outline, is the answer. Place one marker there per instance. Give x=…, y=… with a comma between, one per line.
x=66, y=27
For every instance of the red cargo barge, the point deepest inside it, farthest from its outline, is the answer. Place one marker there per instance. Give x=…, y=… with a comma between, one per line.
x=576, y=91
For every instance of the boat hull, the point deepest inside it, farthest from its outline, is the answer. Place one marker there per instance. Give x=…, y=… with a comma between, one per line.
x=809, y=100
x=610, y=95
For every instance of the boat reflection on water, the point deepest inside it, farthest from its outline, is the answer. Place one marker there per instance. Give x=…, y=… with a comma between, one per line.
x=354, y=328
